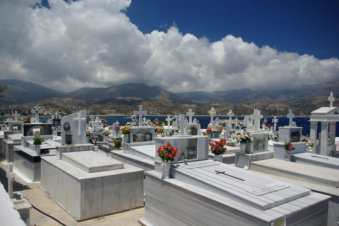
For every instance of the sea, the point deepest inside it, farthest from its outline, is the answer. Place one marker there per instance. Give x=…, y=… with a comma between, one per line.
x=205, y=119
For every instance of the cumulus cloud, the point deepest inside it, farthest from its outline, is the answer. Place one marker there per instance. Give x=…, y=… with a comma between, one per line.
x=93, y=43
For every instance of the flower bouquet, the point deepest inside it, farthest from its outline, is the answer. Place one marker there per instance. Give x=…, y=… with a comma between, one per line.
x=167, y=153
x=159, y=129
x=289, y=146
x=107, y=133
x=125, y=129
x=209, y=130
x=217, y=148
x=220, y=128
x=243, y=138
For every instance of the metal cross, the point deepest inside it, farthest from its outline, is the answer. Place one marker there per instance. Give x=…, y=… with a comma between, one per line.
x=223, y=172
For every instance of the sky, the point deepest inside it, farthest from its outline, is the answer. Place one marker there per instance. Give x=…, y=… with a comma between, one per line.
x=179, y=45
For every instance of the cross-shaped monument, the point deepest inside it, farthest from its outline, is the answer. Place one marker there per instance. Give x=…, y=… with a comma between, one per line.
x=230, y=114
x=256, y=118
x=182, y=123
x=140, y=113
x=290, y=116
x=212, y=113
x=79, y=120
x=190, y=114
x=275, y=121
x=16, y=115
x=169, y=119
x=331, y=99
x=36, y=111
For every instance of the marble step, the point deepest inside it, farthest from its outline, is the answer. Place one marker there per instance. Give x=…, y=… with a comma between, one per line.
x=143, y=152
x=309, y=173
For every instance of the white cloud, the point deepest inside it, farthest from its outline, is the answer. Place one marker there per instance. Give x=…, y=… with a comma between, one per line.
x=93, y=43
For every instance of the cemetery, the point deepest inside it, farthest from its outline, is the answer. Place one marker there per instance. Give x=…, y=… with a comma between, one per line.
x=179, y=172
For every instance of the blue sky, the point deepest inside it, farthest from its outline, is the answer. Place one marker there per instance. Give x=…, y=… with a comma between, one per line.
x=177, y=45
x=302, y=26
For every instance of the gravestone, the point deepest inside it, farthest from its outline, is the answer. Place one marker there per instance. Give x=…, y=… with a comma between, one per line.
x=74, y=126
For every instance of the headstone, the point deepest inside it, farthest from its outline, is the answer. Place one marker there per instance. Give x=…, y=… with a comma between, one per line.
x=36, y=111
x=140, y=113
x=256, y=117
x=74, y=125
x=290, y=116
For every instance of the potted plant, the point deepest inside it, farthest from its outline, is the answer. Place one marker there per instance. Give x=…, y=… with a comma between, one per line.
x=117, y=144
x=37, y=141
x=218, y=149
x=167, y=154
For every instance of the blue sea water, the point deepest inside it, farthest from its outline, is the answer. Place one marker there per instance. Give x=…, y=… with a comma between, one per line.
x=204, y=120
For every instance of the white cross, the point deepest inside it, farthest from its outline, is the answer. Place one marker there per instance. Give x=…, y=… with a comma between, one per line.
x=331, y=99
x=275, y=121
x=256, y=117
x=36, y=111
x=182, y=123
x=168, y=120
x=290, y=116
x=140, y=113
x=175, y=123
x=16, y=116
x=79, y=120
x=212, y=113
x=230, y=114
x=190, y=114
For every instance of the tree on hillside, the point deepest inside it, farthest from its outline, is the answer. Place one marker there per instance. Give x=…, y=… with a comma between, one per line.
x=2, y=89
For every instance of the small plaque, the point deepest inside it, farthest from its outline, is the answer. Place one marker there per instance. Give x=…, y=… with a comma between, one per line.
x=66, y=126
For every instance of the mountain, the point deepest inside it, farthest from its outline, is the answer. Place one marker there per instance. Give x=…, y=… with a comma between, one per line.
x=130, y=93
x=271, y=96
x=124, y=98
x=20, y=92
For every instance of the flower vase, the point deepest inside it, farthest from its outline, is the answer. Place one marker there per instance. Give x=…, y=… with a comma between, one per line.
x=37, y=148
x=165, y=170
x=126, y=138
x=218, y=158
x=245, y=148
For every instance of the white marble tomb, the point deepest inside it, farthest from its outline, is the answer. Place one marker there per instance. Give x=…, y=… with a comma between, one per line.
x=87, y=184
x=211, y=193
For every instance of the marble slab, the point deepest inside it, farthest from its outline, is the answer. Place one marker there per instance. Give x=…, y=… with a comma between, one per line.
x=91, y=161
x=314, y=174
x=238, y=184
x=86, y=195
x=317, y=160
